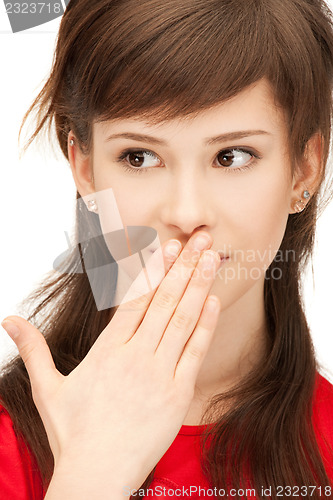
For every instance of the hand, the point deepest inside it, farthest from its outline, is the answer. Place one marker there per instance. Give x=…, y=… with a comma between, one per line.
x=123, y=405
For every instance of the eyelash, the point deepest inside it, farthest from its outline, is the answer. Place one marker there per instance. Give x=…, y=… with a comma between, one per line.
x=139, y=170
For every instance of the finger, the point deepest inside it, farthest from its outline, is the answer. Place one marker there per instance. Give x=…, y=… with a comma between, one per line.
x=35, y=354
x=188, y=311
x=169, y=294
x=129, y=314
x=195, y=350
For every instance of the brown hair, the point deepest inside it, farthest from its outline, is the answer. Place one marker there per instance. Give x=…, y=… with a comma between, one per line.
x=161, y=60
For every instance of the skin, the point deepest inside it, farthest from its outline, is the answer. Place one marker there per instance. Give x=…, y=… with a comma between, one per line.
x=187, y=188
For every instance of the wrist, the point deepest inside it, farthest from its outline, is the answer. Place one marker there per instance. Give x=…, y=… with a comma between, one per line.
x=75, y=480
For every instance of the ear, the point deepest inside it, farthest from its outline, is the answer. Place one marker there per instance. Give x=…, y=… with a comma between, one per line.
x=307, y=175
x=81, y=167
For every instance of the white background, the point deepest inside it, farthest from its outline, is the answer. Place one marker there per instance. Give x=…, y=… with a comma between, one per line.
x=38, y=195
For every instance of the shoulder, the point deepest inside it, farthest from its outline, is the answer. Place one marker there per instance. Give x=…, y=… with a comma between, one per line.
x=323, y=420
x=19, y=476
x=323, y=400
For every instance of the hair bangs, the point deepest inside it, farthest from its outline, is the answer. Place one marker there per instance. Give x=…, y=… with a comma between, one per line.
x=185, y=60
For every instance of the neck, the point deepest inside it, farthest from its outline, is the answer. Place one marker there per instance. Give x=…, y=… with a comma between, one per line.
x=238, y=346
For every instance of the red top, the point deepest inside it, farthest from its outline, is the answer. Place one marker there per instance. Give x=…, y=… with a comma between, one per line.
x=178, y=470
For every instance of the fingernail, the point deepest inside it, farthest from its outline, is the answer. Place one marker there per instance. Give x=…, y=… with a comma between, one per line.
x=209, y=259
x=12, y=330
x=212, y=304
x=172, y=249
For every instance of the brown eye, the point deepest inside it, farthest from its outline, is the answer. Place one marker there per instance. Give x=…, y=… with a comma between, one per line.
x=135, y=159
x=233, y=158
x=138, y=158
x=225, y=159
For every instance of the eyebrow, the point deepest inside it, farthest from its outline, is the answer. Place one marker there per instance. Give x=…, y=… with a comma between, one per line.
x=208, y=141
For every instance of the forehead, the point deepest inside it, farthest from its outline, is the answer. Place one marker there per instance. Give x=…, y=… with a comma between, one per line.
x=253, y=108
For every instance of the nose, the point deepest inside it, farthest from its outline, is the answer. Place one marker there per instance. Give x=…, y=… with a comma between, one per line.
x=188, y=204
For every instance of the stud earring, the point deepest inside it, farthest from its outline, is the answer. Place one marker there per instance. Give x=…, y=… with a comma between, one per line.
x=92, y=206
x=71, y=142
x=299, y=206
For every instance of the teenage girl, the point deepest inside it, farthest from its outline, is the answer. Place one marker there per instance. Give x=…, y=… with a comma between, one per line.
x=208, y=121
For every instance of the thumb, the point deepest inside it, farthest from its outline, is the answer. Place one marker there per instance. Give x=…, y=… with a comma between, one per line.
x=35, y=354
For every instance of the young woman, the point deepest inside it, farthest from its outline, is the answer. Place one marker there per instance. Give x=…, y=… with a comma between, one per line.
x=208, y=122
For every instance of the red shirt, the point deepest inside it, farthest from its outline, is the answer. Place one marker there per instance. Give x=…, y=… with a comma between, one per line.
x=178, y=470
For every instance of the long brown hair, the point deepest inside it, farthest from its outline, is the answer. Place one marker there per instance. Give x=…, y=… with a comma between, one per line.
x=161, y=60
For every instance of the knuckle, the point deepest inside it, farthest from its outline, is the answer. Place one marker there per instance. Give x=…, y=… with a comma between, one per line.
x=26, y=351
x=181, y=320
x=165, y=299
x=194, y=352
x=140, y=303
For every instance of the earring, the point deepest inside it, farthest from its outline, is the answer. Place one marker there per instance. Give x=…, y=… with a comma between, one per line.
x=71, y=142
x=299, y=206
x=92, y=206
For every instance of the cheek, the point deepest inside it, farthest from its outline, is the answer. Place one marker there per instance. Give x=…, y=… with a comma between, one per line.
x=132, y=199
x=124, y=220
x=118, y=204
x=265, y=221
x=256, y=237
x=110, y=209
x=257, y=221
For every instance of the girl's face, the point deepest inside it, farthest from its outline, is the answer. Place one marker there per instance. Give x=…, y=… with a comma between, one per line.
x=225, y=171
